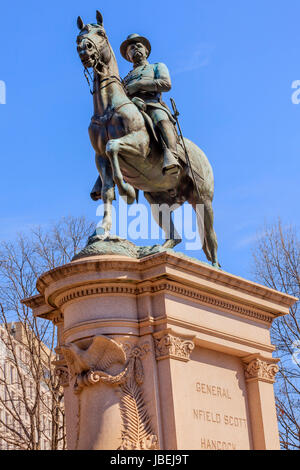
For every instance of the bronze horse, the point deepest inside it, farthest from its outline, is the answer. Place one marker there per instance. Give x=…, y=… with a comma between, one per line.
x=129, y=156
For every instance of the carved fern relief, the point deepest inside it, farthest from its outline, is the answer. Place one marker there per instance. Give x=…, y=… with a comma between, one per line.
x=137, y=431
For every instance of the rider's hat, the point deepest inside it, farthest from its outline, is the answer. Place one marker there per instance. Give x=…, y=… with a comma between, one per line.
x=134, y=38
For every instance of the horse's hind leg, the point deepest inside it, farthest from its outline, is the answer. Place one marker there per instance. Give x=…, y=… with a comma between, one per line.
x=210, y=244
x=162, y=214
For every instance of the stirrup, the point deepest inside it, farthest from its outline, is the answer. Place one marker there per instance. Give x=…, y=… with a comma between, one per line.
x=172, y=192
x=170, y=163
x=172, y=170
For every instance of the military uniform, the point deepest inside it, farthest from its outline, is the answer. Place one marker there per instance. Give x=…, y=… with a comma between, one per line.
x=159, y=81
x=155, y=79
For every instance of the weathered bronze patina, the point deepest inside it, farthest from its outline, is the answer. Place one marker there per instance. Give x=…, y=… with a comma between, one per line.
x=144, y=85
x=128, y=153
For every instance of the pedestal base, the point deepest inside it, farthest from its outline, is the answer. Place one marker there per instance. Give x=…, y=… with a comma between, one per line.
x=163, y=352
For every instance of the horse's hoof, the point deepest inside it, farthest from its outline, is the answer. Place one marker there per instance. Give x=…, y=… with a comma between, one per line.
x=95, y=196
x=100, y=234
x=216, y=265
x=171, y=243
x=128, y=199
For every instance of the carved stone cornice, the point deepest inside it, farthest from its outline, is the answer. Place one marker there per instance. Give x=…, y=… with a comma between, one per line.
x=259, y=368
x=169, y=345
x=79, y=292
x=57, y=317
x=169, y=272
x=177, y=260
x=157, y=287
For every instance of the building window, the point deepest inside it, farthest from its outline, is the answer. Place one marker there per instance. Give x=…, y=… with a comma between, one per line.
x=6, y=366
x=12, y=374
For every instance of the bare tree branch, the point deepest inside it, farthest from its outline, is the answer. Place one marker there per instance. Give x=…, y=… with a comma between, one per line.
x=31, y=398
x=277, y=265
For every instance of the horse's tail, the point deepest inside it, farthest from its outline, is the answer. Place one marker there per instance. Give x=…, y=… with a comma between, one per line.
x=97, y=189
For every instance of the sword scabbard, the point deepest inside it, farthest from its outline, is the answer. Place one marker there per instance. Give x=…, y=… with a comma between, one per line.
x=176, y=114
x=175, y=110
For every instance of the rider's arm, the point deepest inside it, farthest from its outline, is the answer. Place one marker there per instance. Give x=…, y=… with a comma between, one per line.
x=161, y=81
x=162, y=77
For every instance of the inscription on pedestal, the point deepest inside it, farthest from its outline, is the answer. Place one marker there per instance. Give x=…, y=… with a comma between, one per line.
x=217, y=416
x=216, y=412
x=221, y=394
x=211, y=444
x=213, y=390
x=213, y=417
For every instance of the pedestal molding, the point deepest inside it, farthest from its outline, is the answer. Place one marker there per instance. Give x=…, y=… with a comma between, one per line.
x=122, y=288
x=152, y=325
x=219, y=334
x=221, y=279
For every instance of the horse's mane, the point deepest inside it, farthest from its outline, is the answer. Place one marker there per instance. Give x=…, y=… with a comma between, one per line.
x=113, y=57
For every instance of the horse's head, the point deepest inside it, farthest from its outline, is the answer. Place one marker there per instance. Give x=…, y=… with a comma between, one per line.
x=92, y=43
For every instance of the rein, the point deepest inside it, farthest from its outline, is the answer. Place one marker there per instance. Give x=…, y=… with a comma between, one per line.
x=87, y=73
x=114, y=78
x=103, y=120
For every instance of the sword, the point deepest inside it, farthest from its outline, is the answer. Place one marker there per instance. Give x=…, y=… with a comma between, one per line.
x=176, y=114
x=198, y=214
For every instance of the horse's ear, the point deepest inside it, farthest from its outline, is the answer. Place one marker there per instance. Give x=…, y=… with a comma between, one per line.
x=99, y=18
x=80, y=23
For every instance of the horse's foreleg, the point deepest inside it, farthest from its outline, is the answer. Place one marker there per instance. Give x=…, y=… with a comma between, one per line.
x=125, y=189
x=107, y=194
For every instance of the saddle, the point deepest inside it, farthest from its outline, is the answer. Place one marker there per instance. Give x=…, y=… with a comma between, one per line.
x=142, y=106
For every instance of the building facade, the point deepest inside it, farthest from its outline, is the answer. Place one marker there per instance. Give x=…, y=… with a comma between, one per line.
x=31, y=414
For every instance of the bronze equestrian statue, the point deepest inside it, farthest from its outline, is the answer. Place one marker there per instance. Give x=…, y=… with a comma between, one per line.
x=144, y=85
x=134, y=147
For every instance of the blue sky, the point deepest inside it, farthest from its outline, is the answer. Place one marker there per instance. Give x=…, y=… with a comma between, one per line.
x=232, y=65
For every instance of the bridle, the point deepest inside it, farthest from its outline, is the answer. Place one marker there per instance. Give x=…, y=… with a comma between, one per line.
x=102, y=120
x=87, y=73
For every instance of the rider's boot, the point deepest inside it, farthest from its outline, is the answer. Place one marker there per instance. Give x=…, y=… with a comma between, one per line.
x=171, y=165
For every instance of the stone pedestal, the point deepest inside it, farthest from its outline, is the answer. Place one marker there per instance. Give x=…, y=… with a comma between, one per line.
x=162, y=352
